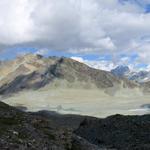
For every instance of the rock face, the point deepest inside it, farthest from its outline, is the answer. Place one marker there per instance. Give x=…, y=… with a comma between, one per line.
x=34, y=72
x=50, y=131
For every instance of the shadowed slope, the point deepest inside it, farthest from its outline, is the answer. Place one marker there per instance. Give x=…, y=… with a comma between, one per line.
x=48, y=130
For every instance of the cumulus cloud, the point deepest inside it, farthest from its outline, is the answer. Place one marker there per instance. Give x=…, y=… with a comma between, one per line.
x=76, y=26
x=15, y=22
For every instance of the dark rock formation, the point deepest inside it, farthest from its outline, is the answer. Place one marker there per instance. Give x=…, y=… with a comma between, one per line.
x=50, y=131
x=38, y=131
x=119, y=132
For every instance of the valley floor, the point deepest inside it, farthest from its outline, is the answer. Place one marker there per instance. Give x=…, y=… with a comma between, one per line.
x=84, y=102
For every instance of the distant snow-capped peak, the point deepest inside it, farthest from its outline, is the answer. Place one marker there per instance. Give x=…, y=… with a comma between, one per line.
x=124, y=71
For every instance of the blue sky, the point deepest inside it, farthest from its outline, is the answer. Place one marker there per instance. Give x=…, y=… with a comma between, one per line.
x=24, y=50
x=122, y=59
x=108, y=33
x=101, y=58
x=147, y=8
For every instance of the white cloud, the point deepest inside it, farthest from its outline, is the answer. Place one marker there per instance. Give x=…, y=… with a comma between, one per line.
x=15, y=22
x=108, y=65
x=79, y=59
x=97, y=64
x=102, y=65
x=42, y=52
x=77, y=26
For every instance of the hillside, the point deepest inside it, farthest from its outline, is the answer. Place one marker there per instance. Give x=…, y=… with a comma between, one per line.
x=47, y=130
x=117, y=132
x=35, y=71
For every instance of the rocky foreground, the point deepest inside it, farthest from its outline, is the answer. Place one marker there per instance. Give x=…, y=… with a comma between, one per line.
x=50, y=131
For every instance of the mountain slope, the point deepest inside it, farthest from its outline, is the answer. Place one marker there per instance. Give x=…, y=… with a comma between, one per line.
x=34, y=72
x=118, y=132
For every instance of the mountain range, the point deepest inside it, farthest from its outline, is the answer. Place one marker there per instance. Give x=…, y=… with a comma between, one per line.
x=138, y=76
x=35, y=71
x=47, y=130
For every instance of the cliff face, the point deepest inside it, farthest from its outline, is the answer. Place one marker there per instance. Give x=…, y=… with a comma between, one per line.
x=34, y=72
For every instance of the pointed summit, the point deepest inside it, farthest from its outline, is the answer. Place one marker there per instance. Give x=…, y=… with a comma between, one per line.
x=120, y=71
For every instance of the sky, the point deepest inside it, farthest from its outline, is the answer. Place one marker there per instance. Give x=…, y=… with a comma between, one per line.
x=100, y=33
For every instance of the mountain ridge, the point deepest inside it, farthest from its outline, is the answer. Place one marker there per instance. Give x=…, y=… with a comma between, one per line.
x=138, y=76
x=35, y=71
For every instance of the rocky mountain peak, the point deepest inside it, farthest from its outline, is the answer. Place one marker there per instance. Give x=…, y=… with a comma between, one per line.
x=138, y=76
x=120, y=70
x=29, y=57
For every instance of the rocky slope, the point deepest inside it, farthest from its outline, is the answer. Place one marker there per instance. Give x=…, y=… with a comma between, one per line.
x=26, y=131
x=50, y=131
x=146, y=86
x=118, y=132
x=34, y=72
